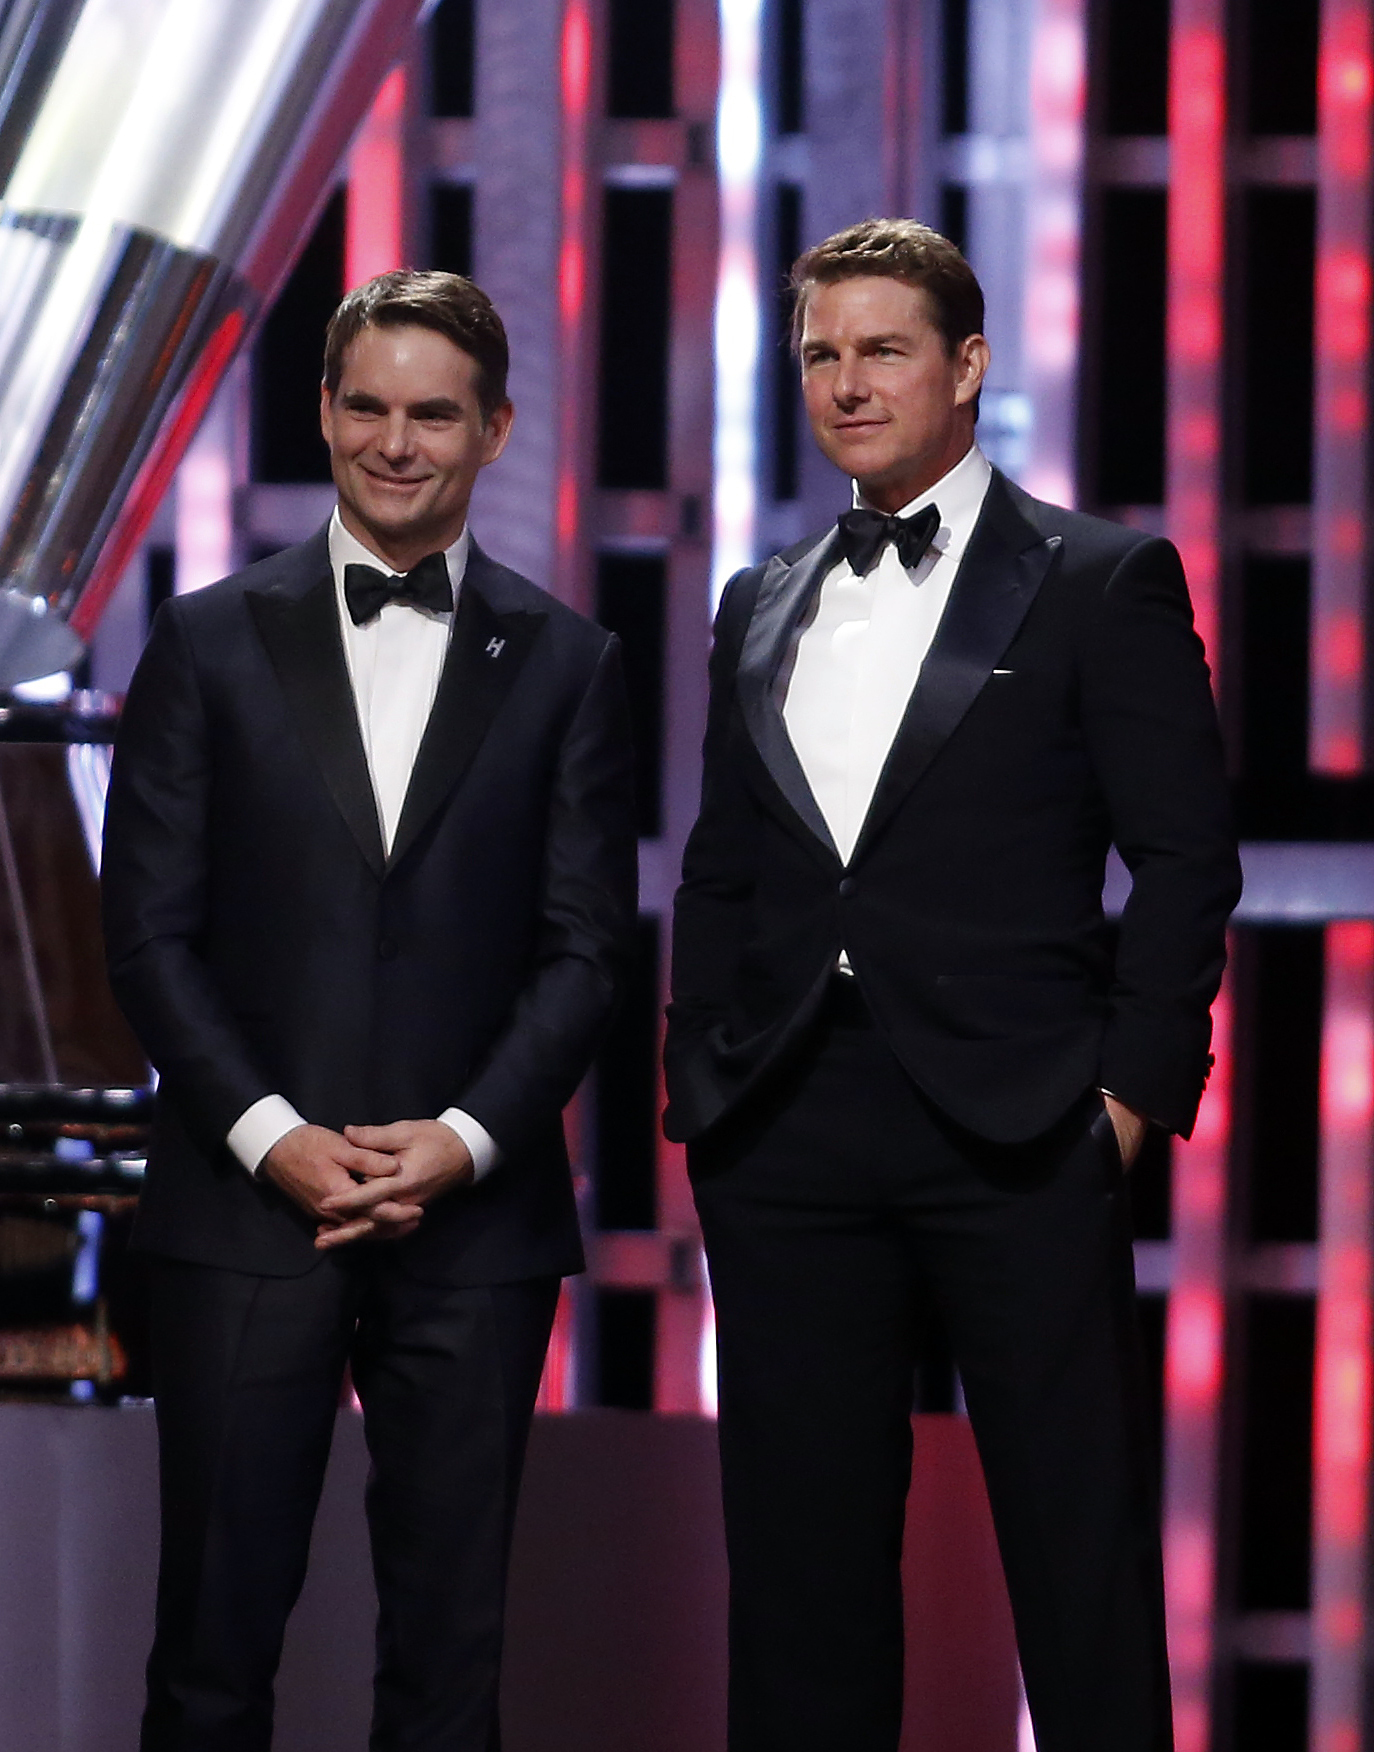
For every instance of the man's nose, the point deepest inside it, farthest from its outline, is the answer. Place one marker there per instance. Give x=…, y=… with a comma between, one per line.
x=397, y=439
x=850, y=385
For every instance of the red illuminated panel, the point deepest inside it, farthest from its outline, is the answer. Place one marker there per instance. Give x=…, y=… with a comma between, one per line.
x=374, y=235
x=1341, y=1429
x=1197, y=147
x=1194, y=1360
x=1345, y=108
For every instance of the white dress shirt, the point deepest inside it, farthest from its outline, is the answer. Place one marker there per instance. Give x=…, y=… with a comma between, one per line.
x=855, y=657
x=394, y=663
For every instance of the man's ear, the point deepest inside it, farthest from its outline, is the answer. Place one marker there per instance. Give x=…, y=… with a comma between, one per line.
x=496, y=431
x=972, y=357
x=326, y=407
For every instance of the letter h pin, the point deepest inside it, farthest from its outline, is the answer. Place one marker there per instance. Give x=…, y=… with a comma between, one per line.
x=495, y=647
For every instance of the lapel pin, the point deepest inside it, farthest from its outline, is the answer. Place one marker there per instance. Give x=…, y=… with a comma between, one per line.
x=495, y=647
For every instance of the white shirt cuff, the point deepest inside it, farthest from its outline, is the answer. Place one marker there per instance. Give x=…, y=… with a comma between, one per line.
x=265, y=1123
x=482, y=1146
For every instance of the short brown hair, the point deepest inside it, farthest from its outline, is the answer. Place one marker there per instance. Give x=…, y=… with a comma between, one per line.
x=448, y=303
x=895, y=249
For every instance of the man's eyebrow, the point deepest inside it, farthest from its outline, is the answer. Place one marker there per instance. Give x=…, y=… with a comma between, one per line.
x=886, y=340
x=359, y=398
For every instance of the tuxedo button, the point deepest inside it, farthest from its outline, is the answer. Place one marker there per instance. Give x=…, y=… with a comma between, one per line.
x=386, y=948
x=848, y=886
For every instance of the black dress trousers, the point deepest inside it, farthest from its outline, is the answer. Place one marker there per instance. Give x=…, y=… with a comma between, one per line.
x=247, y=1376
x=833, y=1206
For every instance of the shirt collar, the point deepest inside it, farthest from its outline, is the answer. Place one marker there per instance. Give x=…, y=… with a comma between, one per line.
x=346, y=550
x=959, y=493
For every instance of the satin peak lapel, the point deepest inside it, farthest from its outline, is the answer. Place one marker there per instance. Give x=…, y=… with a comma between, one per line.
x=1003, y=568
x=785, y=592
x=485, y=654
x=300, y=632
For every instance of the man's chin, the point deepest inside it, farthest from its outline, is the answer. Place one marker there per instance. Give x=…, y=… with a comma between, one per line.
x=393, y=521
x=395, y=510
x=880, y=479
x=862, y=462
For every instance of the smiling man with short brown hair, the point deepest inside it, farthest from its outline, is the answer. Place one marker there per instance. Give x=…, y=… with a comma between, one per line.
x=369, y=886
x=908, y=1060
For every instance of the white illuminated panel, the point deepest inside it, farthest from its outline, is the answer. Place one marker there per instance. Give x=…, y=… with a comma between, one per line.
x=739, y=142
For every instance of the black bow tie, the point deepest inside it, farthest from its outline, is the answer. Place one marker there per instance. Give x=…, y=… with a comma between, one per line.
x=426, y=585
x=863, y=532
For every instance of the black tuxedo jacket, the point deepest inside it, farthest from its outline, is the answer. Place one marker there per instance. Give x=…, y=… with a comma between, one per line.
x=1064, y=705
x=260, y=940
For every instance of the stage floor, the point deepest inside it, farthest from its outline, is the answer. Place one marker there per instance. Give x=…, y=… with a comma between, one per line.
x=617, y=1612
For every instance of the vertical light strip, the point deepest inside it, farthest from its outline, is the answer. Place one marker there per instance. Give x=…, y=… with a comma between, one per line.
x=374, y=236
x=1345, y=98
x=739, y=149
x=1194, y=1356
x=1197, y=187
x=1054, y=199
x=559, y=1389
x=575, y=79
x=1341, y=1429
x=1194, y=1362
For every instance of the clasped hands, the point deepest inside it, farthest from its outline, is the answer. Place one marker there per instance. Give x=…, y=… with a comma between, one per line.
x=368, y=1182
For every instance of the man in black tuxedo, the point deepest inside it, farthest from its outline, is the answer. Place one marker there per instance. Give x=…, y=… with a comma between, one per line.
x=908, y=1058
x=369, y=879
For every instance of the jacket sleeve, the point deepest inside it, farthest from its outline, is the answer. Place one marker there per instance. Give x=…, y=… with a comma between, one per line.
x=1153, y=737
x=154, y=885
x=586, y=928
